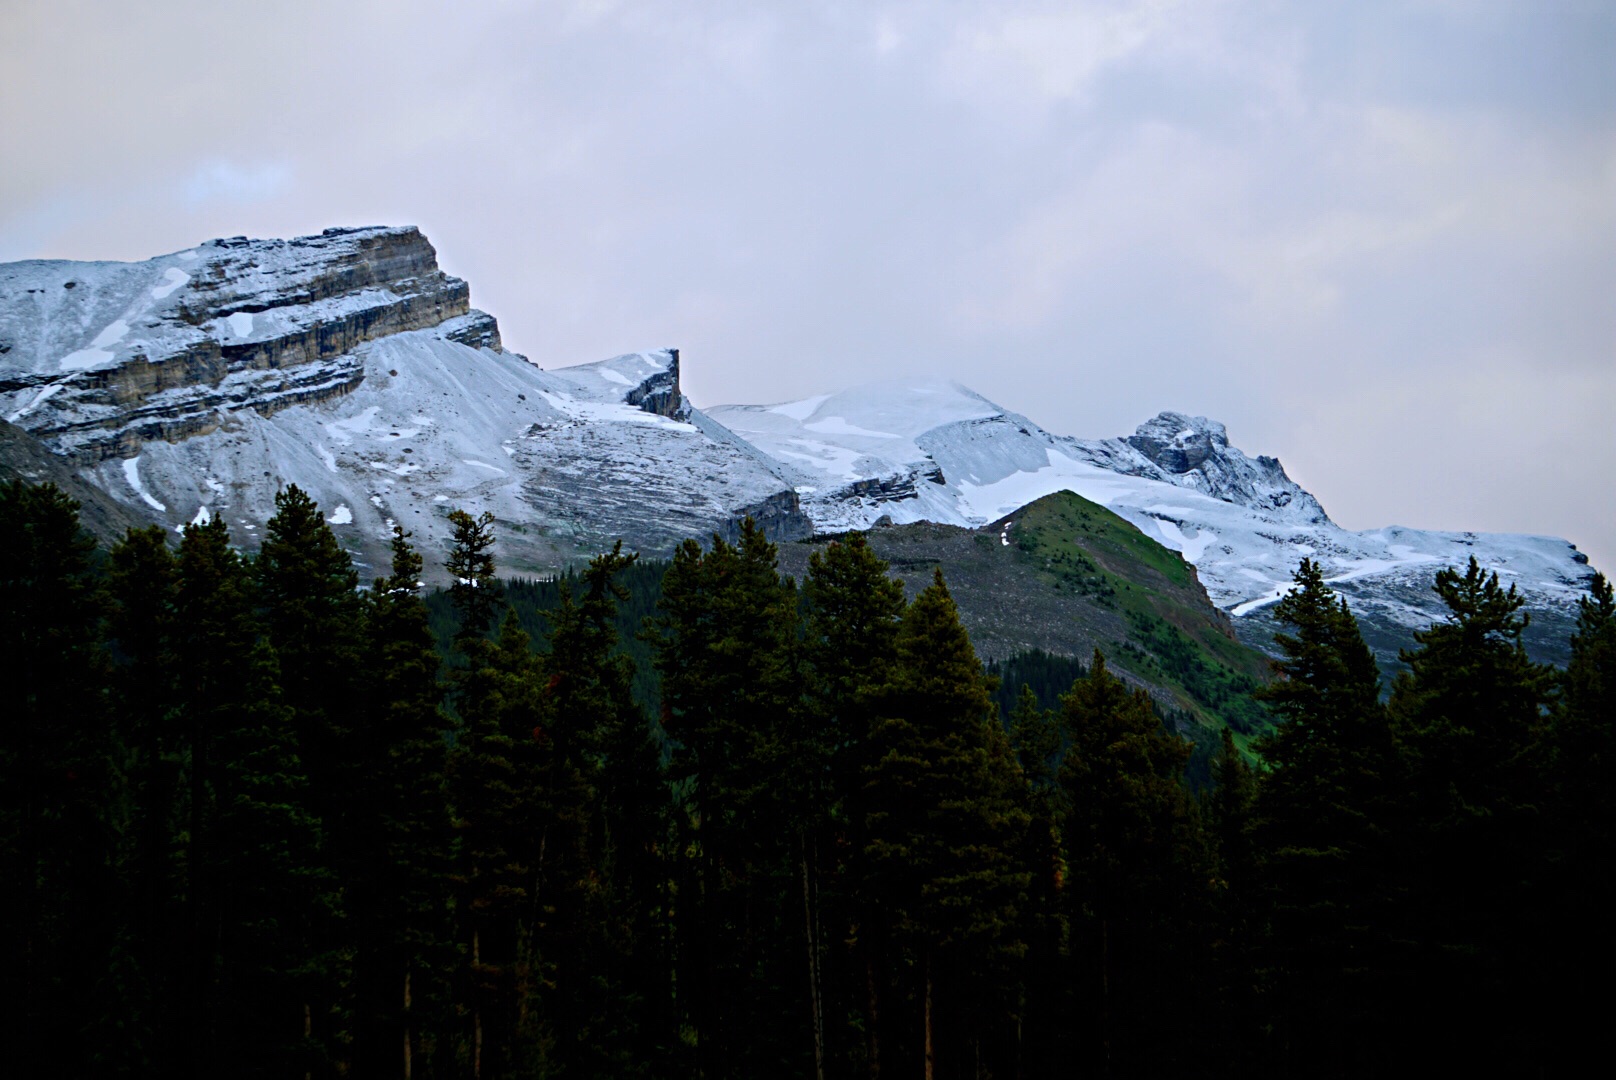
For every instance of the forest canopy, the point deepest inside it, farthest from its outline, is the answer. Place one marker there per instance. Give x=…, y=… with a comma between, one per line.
x=259, y=818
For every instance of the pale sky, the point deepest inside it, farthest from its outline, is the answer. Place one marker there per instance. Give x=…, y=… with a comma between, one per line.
x=1377, y=240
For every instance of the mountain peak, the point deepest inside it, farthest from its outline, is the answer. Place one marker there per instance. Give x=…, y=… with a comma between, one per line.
x=1178, y=443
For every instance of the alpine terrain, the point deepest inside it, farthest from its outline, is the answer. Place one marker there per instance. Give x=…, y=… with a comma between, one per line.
x=200, y=383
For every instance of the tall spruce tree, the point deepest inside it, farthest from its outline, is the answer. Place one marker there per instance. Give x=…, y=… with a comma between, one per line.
x=606, y=972
x=497, y=808
x=725, y=648
x=261, y=909
x=142, y=583
x=851, y=614
x=1473, y=715
x=1328, y=808
x=945, y=820
x=398, y=888
x=308, y=588
x=1579, y=887
x=1035, y=737
x=1136, y=894
x=57, y=842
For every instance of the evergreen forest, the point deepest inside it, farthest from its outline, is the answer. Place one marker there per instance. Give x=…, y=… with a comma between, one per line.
x=261, y=819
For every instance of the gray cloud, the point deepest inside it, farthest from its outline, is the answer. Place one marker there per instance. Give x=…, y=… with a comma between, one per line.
x=1378, y=240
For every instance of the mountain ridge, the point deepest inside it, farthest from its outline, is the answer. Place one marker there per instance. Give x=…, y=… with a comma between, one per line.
x=198, y=383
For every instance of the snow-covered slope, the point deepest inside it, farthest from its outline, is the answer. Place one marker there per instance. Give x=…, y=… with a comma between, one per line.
x=942, y=453
x=201, y=383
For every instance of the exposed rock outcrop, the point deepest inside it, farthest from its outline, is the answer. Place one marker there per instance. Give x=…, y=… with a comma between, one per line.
x=104, y=357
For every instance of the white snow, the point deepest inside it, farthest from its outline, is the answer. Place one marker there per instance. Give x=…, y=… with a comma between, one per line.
x=611, y=376
x=173, y=278
x=344, y=430
x=188, y=256
x=1191, y=547
x=327, y=458
x=484, y=465
x=340, y=516
x=835, y=425
x=839, y=462
x=241, y=323
x=131, y=473
x=99, y=351
x=34, y=402
x=800, y=410
x=202, y=517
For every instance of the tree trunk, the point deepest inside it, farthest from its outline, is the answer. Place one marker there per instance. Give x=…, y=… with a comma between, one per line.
x=811, y=933
x=1105, y=994
x=476, y=1013
x=407, y=1062
x=926, y=1013
x=872, y=1008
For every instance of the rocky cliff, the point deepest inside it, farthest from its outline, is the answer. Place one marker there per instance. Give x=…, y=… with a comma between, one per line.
x=197, y=384
x=103, y=357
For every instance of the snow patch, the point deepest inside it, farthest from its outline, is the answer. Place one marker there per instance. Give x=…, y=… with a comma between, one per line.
x=340, y=516
x=100, y=350
x=835, y=425
x=173, y=278
x=131, y=473
x=343, y=431
x=35, y=402
x=202, y=517
x=484, y=465
x=800, y=410
x=241, y=323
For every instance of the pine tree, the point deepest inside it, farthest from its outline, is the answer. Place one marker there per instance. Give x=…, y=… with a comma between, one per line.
x=1228, y=815
x=1472, y=712
x=1328, y=806
x=400, y=886
x=57, y=821
x=1579, y=888
x=260, y=903
x=601, y=884
x=1137, y=889
x=852, y=611
x=944, y=823
x=725, y=648
x=497, y=807
x=143, y=590
x=1035, y=737
x=307, y=587
x=474, y=591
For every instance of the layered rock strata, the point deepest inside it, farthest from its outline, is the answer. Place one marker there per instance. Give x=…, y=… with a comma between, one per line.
x=115, y=355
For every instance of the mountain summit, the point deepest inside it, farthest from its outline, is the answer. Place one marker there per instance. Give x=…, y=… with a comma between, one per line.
x=199, y=383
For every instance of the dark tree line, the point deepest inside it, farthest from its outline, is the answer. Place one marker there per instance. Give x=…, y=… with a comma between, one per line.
x=253, y=821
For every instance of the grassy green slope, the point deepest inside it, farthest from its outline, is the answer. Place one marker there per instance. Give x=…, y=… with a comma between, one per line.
x=1067, y=576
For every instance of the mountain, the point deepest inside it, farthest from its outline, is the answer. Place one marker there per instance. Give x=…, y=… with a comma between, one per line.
x=939, y=452
x=199, y=383
x=1067, y=576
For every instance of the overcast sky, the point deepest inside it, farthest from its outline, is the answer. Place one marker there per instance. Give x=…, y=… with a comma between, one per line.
x=1377, y=240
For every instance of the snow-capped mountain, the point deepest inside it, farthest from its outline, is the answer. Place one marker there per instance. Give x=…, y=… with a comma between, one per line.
x=200, y=383
x=940, y=452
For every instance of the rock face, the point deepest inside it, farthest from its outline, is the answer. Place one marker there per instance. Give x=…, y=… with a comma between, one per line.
x=1194, y=452
x=1239, y=520
x=126, y=353
x=197, y=384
